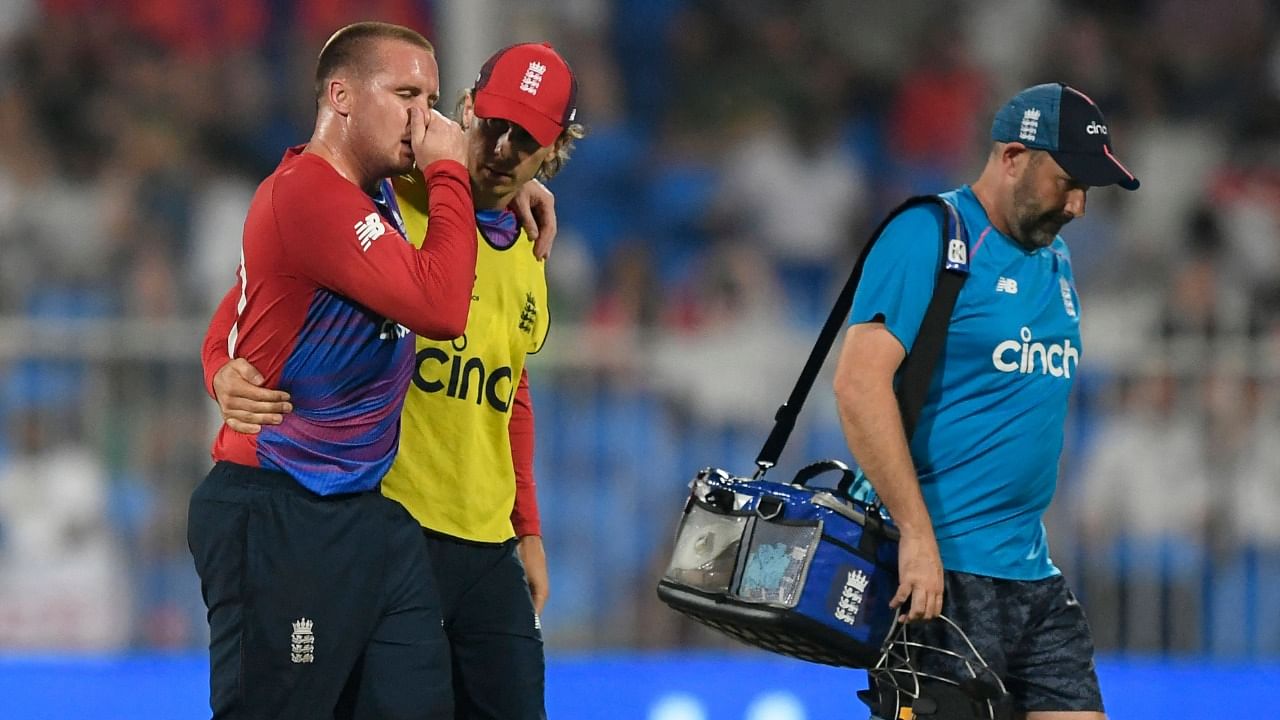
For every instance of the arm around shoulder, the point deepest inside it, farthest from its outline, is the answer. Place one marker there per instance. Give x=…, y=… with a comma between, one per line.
x=215, y=351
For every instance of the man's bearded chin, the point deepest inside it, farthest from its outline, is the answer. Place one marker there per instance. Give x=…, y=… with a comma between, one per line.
x=1040, y=230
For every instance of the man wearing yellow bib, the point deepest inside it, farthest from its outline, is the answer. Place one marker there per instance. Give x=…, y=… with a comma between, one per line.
x=464, y=468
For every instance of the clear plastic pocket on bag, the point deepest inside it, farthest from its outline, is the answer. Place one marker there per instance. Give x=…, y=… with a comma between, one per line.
x=706, y=550
x=777, y=562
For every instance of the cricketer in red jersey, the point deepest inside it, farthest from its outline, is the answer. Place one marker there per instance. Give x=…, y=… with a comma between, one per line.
x=323, y=283
x=321, y=601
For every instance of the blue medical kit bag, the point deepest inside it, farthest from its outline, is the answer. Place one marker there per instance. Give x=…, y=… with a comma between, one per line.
x=805, y=572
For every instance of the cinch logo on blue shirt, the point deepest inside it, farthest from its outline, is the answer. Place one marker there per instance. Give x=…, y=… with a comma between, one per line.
x=1027, y=357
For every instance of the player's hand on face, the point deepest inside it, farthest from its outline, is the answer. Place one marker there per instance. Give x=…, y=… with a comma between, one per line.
x=919, y=577
x=246, y=406
x=536, y=208
x=435, y=137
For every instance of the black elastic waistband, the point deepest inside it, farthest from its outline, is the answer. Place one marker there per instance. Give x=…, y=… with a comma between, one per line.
x=436, y=535
x=238, y=474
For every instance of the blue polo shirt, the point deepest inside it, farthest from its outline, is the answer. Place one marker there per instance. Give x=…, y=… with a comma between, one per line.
x=987, y=445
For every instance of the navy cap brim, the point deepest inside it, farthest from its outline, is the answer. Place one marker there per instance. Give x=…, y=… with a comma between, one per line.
x=1096, y=170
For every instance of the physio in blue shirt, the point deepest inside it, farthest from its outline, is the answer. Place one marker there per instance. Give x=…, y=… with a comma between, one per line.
x=970, y=488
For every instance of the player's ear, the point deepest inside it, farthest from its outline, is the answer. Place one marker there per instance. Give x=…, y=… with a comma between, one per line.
x=1013, y=156
x=467, y=115
x=338, y=95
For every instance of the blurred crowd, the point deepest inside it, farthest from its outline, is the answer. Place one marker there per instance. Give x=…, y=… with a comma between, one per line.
x=738, y=153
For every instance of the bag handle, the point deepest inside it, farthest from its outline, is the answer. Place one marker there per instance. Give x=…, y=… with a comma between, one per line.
x=844, y=488
x=917, y=369
x=812, y=470
x=872, y=519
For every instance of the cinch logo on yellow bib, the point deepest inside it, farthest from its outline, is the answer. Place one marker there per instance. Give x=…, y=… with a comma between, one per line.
x=460, y=375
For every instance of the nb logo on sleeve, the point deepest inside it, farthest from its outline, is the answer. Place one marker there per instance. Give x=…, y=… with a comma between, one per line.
x=369, y=229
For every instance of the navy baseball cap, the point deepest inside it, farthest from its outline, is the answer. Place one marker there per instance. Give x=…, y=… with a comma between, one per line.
x=1068, y=125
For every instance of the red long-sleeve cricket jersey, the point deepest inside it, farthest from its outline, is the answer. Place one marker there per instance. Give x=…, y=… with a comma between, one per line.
x=328, y=292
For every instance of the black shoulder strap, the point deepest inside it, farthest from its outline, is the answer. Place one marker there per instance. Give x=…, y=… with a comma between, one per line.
x=917, y=368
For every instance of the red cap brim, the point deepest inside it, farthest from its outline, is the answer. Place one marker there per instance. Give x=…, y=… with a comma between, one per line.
x=542, y=128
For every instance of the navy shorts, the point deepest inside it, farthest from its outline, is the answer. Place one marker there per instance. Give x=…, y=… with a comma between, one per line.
x=494, y=635
x=319, y=607
x=1033, y=634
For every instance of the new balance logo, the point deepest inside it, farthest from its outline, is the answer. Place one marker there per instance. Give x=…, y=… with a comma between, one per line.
x=369, y=229
x=533, y=78
x=1030, y=125
x=1007, y=285
x=392, y=330
x=302, y=645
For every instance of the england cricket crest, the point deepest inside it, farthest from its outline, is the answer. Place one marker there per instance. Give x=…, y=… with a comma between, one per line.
x=302, y=646
x=851, y=596
x=1067, y=303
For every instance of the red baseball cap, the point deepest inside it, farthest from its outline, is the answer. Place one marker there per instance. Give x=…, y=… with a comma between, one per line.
x=530, y=85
